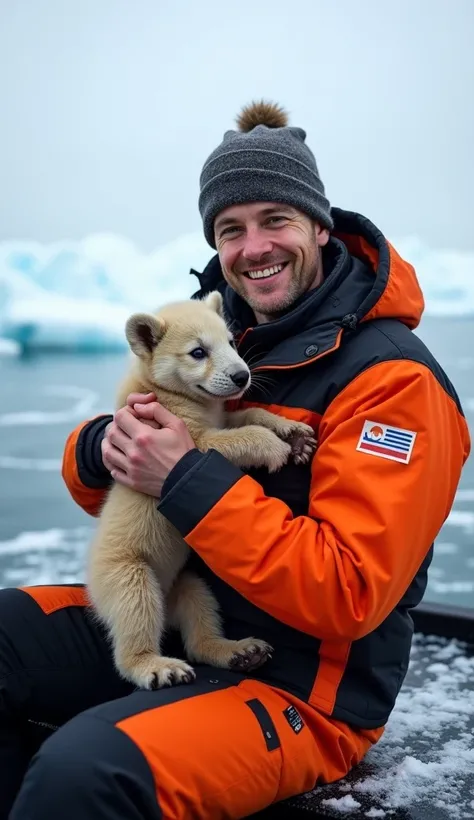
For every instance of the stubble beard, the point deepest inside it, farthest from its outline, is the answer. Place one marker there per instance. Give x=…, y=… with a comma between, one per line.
x=309, y=279
x=280, y=307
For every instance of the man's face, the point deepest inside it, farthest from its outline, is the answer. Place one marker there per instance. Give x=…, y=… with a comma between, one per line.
x=270, y=254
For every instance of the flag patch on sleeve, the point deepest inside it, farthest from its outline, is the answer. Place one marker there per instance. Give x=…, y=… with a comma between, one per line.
x=394, y=443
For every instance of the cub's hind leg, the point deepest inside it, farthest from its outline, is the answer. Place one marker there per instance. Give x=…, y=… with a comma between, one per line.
x=126, y=593
x=194, y=611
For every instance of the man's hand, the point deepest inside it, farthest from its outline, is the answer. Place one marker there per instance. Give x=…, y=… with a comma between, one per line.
x=111, y=452
x=143, y=444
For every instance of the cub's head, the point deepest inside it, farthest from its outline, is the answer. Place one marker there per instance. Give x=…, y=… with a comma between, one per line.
x=187, y=347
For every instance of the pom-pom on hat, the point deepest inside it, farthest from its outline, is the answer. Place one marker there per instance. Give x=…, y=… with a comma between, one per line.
x=264, y=160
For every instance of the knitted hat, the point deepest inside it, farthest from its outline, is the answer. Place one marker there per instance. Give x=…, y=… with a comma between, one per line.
x=265, y=160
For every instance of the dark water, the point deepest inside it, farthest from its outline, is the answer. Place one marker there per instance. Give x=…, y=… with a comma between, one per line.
x=43, y=534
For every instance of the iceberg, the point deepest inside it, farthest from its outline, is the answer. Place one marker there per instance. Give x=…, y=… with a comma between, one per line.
x=76, y=296
x=445, y=275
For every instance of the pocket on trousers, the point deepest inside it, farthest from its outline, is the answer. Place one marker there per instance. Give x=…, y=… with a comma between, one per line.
x=266, y=724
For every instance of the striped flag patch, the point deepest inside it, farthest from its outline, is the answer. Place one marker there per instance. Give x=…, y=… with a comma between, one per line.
x=394, y=443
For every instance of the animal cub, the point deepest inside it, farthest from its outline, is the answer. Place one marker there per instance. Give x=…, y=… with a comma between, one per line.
x=137, y=581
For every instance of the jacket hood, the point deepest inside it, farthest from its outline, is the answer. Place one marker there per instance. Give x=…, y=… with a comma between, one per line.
x=396, y=292
x=365, y=279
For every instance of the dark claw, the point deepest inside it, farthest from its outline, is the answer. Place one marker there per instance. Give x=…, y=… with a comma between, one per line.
x=252, y=659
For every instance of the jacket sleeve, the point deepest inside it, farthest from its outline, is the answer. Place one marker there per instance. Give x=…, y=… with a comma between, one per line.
x=83, y=471
x=338, y=571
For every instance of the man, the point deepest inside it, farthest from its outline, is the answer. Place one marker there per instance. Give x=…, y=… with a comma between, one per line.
x=324, y=561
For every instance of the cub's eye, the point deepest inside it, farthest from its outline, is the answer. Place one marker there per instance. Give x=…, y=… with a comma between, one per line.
x=198, y=353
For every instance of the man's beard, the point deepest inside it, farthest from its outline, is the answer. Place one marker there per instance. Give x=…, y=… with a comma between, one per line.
x=278, y=309
x=306, y=281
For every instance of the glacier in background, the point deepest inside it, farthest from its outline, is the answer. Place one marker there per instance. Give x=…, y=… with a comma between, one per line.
x=76, y=296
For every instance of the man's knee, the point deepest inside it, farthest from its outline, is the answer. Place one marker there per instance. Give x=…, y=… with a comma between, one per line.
x=13, y=602
x=23, y=616
x=88, y=768
x=28, y=645
x=14, y=630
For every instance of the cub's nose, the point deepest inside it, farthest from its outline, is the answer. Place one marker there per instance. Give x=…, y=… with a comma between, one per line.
x=240, y=378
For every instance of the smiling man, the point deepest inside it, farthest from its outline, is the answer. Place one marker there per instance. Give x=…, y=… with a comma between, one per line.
x=324, y=561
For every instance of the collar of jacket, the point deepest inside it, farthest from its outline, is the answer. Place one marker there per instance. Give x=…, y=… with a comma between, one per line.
x=311, y=329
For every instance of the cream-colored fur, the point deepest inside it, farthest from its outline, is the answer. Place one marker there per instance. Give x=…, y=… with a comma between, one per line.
x=137, y=579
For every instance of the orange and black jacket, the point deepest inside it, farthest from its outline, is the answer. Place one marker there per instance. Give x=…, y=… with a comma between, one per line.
x=324, y=561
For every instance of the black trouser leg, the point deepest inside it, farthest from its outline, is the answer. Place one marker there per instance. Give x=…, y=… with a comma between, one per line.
x=13, y=762
x=87, y=770
x=54, y=663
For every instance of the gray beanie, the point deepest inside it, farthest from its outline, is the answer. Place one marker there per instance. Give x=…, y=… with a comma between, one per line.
x=265, y=160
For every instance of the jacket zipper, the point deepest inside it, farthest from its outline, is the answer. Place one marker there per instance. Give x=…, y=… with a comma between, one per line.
x=43, y=724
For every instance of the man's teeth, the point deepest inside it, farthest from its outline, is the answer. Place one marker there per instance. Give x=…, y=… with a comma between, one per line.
x=261, y=274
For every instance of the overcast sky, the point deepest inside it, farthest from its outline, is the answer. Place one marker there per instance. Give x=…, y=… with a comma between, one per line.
x=110, y=107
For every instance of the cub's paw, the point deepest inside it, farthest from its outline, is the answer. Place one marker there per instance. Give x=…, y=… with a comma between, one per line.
x=249, y=654
x=152, y=671
x=228, y=654
x=277, y=454
x=301, y=439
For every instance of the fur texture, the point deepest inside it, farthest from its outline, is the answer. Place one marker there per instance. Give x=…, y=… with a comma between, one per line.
x=261, y=113
x=137, y=579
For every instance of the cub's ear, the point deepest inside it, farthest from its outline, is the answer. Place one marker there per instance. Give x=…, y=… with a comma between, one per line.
x=143, y=332
x=215, y=301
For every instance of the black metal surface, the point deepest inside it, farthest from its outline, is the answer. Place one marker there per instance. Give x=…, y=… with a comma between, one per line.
x=445, y=621
x=423, y=768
